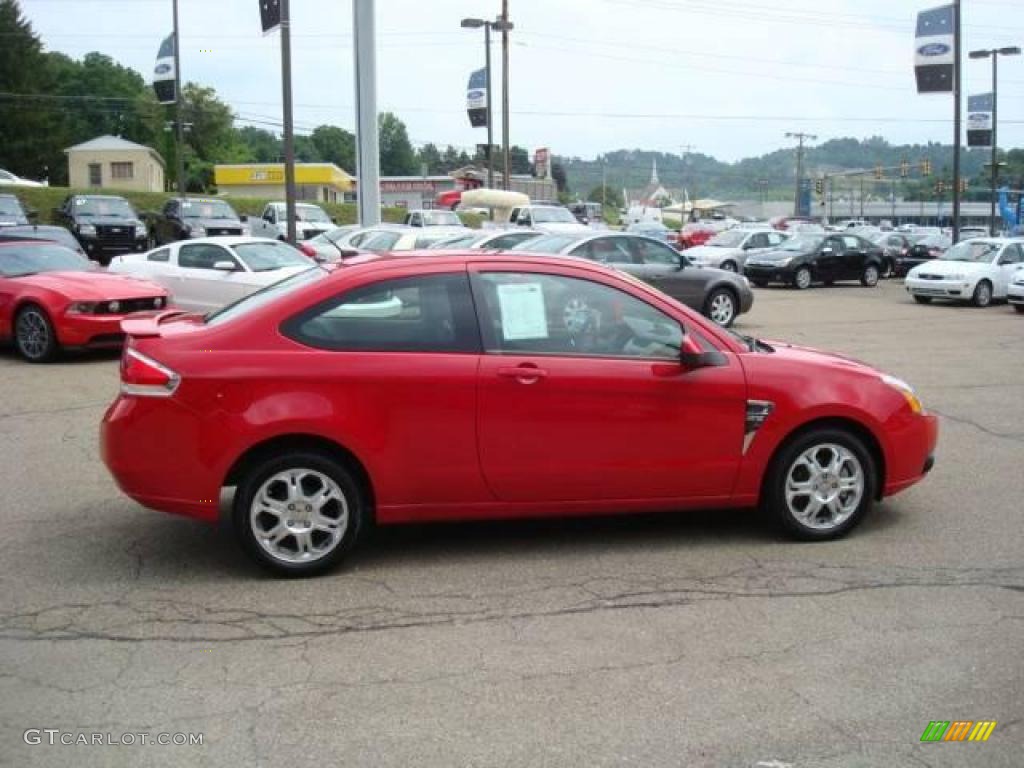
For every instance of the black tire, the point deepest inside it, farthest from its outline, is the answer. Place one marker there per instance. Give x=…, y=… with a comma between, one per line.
x=888, y=269
x=760, y=283
x=34, y=335
x=721, y=307
x=982, y=296
x=774, y=493
x=730, y=266
x=802, y=279
x=1019, y=308
x=352, y=492
x=869, y=277
x=923, y=299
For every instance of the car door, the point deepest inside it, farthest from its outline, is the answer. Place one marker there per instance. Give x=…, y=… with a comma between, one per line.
x=855, y=256
x=664, y=268
x=828, y=263
x=407, y=349
x=582, y=396
x=201, y=288
x=1010, y=262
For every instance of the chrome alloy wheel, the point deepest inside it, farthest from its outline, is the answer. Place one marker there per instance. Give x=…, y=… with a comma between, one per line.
x=299, y=515
x=33, y=334
x=803, y=278
x=722, y=309
x=824, y=486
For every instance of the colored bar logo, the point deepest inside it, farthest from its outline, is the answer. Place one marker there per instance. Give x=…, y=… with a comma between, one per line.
x=958, y=730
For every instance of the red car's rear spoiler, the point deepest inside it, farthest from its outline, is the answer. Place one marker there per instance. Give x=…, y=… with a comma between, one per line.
x=142, y=324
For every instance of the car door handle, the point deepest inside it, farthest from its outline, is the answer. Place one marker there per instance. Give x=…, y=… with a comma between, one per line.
x=524, y=374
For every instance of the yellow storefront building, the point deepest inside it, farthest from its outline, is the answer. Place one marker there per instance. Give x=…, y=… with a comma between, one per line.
x=319, y=182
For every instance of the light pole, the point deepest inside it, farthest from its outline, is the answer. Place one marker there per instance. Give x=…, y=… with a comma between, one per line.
x=994, y=53
x=800, y=137
x=487, y=25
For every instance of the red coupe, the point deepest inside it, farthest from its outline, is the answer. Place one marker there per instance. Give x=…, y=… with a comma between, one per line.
x=52, y=297
x=461, y=386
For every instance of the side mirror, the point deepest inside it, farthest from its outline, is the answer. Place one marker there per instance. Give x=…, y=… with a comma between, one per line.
x=348, y=253
x=243, y=217
x=224, y=266
x=693, y=357
x=334, y=219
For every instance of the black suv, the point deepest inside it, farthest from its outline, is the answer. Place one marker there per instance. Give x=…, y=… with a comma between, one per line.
x=103, y=224
x=188, y=217
x=808, y=258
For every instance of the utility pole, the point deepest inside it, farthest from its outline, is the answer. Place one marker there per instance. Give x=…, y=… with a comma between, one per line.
x=179, y=125
x=801, y=138
x=505, y=27
x=367, y=139
x=289, y=128
x=957, y=110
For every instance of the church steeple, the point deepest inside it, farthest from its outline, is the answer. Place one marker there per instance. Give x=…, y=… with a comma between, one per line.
x=654, y=172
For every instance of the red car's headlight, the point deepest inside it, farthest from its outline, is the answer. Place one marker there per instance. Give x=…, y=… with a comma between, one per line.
x=82, y=308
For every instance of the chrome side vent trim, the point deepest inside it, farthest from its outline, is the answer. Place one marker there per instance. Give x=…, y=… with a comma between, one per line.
x=758, y=412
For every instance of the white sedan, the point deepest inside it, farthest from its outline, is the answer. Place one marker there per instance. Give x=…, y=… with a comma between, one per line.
x=977, y=271
x=204, y=274
x=730, y=249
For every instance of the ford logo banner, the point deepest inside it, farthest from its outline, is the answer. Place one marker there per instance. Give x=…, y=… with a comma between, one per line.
x=473, y=95
x=934, y=49
x=162, y=69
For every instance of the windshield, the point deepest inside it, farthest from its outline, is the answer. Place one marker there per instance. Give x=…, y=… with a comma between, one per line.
x=266, y=295
x=977, y=251
x=264, y=257
x=552, y=216
x=460, y=241
x=57, y=235
x=547, y=244
x=311, y=213
x=207, y=209
x=31, y=258
x=116, y=207
x=802, y=243
x=730, y=239
x=441, y=219
x=9, y=206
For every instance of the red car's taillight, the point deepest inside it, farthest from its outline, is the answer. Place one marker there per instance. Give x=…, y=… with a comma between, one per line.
x=144, y=376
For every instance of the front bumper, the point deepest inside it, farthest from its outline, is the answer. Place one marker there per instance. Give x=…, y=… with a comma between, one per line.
x=95, y=331
x=913, y=440
x=768, y=273
x=939, y=289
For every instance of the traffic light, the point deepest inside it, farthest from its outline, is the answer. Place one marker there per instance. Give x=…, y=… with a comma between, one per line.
x=904, y=169
x=819, y=186
x=879, y=172
x=926, y=167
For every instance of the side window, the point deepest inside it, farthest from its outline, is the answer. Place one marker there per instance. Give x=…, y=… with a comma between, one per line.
x=775, y=238
x=835, y=244
x=507, y=241
x=163, y=254
x=656, y=253
x=1012, y=255
x=380, y=241
x=415, y=221
x=758, y=240
x=432, y=313
x=613, y=250
x=514, y=216
x=525, y=217
x=852, y=243
x=202, y=256
x=171, y=208
x=527, y=313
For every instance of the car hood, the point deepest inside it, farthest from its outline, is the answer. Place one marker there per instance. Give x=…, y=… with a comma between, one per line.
x=108, y=221
x=10, y=220
x=92, y=286
x=801, y=354
x=945, y=267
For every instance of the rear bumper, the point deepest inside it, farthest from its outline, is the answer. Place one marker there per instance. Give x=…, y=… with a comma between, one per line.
x=136, y=436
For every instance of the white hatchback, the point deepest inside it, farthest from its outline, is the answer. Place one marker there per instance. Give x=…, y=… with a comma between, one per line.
x=977, y=270
x=206, y=273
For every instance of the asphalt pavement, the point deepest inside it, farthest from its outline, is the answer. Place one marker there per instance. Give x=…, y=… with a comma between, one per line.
x=692, y=639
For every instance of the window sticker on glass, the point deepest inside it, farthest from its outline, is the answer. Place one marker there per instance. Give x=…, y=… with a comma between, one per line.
x=522, y=311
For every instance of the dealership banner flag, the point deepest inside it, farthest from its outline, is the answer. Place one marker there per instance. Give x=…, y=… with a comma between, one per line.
x=270, y=15
x=979, y=120
x=476, y=99
x=164, y=72
x=934, y=50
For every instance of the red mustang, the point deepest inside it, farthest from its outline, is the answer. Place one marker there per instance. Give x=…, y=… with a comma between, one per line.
x=52, y=297
x=463, y=386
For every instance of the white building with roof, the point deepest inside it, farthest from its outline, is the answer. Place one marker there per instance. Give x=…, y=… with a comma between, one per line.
x=110, y=162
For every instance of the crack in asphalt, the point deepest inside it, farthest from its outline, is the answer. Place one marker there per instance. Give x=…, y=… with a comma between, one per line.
x=62, y=409
x=1017, y=437
x=129, y=621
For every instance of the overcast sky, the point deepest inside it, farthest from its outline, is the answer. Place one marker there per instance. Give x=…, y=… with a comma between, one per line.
x=728, y=77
